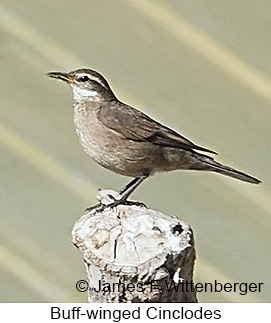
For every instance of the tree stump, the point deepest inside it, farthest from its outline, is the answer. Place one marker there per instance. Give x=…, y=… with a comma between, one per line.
x=134, y=254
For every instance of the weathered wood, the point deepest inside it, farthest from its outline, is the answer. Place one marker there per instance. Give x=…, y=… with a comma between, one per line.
x=134, y=254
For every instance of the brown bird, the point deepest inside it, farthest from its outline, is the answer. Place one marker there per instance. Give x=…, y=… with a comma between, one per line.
x=127, y=141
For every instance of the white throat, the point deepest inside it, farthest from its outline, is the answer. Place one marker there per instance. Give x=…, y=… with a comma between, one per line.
x=81, y=94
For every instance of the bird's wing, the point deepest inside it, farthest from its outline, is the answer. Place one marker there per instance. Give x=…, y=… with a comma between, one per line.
x=136, y=125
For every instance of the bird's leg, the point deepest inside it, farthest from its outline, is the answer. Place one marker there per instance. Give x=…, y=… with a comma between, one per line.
x=125, y=188
x=131, y=183
x=129, y=188
x=132, y=186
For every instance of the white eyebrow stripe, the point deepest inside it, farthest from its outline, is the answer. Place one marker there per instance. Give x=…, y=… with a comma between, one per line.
x=98, y=80
x=93, y=78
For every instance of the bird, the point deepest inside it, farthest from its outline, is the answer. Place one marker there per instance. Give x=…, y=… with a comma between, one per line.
x=129, y=142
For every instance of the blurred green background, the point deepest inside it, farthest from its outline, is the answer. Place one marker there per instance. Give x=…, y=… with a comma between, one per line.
x=202, y=67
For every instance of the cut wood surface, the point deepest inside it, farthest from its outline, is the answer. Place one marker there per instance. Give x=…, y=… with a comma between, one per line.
x=134, y=254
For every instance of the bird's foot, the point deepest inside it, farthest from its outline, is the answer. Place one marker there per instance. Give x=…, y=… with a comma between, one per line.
x=110, y=199
x=136, y=203
x=116, y=202
x=90, y=208
x=105, y=198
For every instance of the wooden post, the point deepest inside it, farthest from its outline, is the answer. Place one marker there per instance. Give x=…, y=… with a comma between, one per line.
x=134, y=254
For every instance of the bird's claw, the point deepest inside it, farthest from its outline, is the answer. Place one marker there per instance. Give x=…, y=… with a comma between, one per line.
x=90, y=208
x=134, y=203
x=122, y=201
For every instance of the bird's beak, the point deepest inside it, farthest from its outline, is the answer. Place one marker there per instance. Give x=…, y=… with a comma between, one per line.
x=61, y=76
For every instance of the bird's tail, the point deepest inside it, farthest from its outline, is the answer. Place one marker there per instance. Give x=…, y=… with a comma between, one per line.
x=228, y=171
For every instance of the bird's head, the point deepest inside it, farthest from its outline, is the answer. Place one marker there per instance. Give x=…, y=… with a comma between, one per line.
x=86, y=84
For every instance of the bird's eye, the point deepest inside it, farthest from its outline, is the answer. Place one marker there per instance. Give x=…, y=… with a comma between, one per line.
x=83, y=78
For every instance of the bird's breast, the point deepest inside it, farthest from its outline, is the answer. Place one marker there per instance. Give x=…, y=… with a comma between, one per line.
x=102, y=144
x=92, y=134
